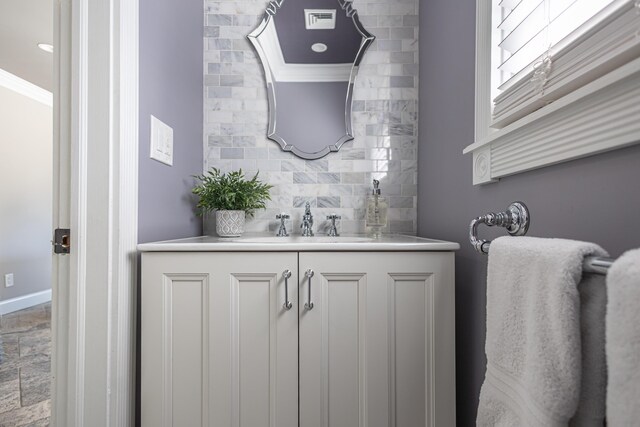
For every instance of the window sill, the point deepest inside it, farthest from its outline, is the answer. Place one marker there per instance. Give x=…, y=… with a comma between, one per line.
x=601, y=116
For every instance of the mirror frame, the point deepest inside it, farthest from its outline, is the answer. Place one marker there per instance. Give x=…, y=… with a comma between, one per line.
x=367, y=39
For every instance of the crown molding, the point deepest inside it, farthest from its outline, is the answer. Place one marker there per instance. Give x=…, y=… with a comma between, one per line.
x=23, y=87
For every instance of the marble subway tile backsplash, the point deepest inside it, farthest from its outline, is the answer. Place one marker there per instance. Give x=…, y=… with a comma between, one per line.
x=385, y=107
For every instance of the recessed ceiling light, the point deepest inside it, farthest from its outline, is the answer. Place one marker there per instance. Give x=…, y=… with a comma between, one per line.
x=46, y=47
x=319, y=47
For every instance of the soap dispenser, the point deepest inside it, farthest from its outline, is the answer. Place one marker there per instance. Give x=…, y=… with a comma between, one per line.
x=376, y=218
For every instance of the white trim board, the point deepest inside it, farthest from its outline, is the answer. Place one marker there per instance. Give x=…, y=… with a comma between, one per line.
x=23, y=87
x=24, y=301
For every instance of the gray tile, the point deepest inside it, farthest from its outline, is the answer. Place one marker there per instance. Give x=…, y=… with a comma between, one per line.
x=231, y=56
x=219, y=19
x=352, y=177
x=411, y=21
x=401, y=129
x=210, y=31
x=244, y=141
x=328, y=178
x=219, y=92
x=402, y=33
x=328, y=202
x=384, y=115
x=219, y=44
x=211, y=80
x=401, y=81
x=401, y=202
x=318, y=165
x=300, y=201
x=402, y=57
x=220, y=141
x=213, y=68
x=304, y=178
x=231, y=153
x=352, y=154
x=231, y=80
x=389, y=45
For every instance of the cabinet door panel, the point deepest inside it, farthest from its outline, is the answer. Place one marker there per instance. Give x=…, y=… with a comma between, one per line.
x=380, y=324
x=411, y=348
x=229, y=349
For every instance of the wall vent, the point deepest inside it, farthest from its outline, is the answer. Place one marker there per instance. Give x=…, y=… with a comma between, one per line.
x=320, y=19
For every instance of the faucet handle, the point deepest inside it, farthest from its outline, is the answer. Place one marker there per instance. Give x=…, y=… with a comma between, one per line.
x=333, y=231
x=282, y=231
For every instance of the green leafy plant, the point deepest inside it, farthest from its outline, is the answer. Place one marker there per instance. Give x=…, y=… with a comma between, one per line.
x=230, y=191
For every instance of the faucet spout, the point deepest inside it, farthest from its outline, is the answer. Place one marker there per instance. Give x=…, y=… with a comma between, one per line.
x=307, y=221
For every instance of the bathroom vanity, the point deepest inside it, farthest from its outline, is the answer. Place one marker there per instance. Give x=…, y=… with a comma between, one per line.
x=298, y=331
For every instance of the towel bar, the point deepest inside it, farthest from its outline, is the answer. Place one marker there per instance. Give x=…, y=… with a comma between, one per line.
x=516, y=220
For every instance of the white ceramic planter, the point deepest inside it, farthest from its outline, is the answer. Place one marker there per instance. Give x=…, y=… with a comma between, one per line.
x=230, y=223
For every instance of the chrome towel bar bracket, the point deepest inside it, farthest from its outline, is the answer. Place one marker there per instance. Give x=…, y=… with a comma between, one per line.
x=515, y=219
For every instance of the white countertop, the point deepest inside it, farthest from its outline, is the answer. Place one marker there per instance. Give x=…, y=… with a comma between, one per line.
x=268, y=242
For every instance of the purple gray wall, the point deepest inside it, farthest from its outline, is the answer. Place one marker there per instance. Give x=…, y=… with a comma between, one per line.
x=594, y=199
x=171, y=85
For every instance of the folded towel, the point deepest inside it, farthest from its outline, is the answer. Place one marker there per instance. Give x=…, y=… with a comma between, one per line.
x=593, y=385
x=533, y=344
x=623, y=340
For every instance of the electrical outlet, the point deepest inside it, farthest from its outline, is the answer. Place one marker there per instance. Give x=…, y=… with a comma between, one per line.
x=8, y=280
x=161, y=142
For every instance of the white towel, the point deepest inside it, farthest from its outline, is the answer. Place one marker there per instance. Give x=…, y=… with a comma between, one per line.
x=623, y=340
x=533, y=346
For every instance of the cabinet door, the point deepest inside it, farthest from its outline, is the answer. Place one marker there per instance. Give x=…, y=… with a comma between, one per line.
x=218, y=347
x=377, y=348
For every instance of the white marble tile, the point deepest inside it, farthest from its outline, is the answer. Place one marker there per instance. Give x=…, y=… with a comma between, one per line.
x=384, y=119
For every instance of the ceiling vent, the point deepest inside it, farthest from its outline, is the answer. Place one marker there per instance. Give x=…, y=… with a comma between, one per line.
x=320, y=19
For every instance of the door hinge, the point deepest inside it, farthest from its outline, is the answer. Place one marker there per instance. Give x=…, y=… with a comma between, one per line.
x=62, y=241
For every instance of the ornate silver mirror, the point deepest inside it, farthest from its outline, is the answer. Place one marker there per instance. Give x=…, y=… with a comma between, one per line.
x=310, y=51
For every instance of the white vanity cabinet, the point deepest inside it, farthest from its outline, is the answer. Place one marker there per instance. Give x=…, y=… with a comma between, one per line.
x=220, y=349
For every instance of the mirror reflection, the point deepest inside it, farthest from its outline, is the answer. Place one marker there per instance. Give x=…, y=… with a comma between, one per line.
x=310, y=51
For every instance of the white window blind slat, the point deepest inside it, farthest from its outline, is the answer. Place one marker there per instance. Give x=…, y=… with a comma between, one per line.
x=533, y=27
x=513, y=18
x=509, y=4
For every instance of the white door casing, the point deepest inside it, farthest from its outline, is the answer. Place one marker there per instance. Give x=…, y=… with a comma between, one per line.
x=95, y=195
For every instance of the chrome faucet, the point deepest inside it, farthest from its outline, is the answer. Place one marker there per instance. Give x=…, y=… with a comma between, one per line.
x=282, y=231
x=307, y=221
x=333, y=230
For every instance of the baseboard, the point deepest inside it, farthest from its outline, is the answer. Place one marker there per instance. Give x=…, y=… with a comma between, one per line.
x=25, y=301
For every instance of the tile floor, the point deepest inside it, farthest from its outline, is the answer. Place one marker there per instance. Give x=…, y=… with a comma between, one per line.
x=25, y=365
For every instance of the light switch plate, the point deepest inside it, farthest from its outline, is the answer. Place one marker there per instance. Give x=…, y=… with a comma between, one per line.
x=161, y=141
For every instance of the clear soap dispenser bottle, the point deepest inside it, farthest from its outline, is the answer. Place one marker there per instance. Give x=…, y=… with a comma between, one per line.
x=377, y=206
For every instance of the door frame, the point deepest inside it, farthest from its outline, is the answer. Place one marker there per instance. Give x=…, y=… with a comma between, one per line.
x=96, y=196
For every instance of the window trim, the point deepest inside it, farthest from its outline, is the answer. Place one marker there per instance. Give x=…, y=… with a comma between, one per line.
x=599, y=116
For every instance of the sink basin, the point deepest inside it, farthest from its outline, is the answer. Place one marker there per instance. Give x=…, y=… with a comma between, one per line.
x=300, y=239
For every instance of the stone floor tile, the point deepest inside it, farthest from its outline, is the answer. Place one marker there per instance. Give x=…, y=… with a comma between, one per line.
x=25, y=367
x=35, y=383
x=10, y=394
x=26, y=415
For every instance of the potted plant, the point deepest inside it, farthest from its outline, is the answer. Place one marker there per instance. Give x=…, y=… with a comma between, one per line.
x=232, y=196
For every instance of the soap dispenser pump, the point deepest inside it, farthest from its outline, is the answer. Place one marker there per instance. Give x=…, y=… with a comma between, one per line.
x=377, y=206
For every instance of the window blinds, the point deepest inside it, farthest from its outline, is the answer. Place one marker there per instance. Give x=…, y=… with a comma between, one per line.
x=530, y=30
